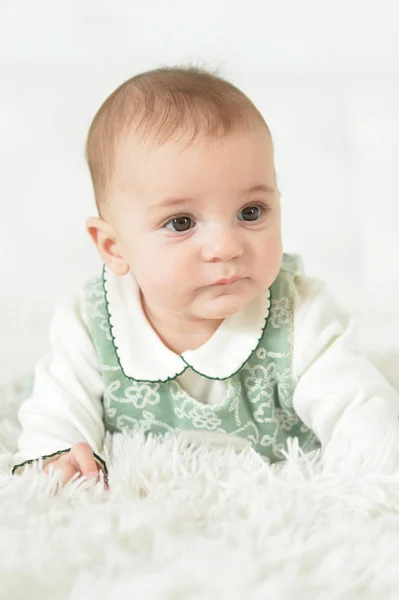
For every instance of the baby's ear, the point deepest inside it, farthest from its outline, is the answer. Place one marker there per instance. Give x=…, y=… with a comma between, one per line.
x=106, y=242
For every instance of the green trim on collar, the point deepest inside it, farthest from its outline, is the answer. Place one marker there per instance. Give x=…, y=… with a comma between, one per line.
x=246, y=360
x=116, y=348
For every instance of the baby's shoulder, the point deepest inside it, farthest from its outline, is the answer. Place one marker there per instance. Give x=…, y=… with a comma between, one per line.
x=305, y=287
x=93, y=287
x=77, y=306
x=315, y=301
x=295, y=282
x=292, y=263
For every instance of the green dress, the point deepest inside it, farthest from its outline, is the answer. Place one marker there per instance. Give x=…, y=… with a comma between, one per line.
x=258, y=401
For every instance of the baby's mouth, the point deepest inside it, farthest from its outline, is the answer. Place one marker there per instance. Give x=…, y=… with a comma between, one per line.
x=227, y=281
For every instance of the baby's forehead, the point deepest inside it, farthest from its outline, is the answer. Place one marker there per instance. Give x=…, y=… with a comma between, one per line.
x=196, y=168
x=132, y=147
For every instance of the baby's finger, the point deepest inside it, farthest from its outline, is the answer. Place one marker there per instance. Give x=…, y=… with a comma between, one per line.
x=83, y=455
x=67, y=469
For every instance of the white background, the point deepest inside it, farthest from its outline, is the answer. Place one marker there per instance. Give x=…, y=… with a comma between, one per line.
x=325, y=76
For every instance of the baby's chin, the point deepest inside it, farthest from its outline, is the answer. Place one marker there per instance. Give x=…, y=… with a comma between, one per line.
x=221, y=307
x=219, y=302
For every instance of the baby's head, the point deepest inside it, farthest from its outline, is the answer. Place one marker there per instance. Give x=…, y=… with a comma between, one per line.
x=183, y=174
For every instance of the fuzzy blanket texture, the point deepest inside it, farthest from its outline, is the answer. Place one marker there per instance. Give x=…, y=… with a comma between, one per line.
x=193, y=522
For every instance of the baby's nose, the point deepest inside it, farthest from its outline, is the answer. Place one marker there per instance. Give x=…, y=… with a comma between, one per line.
x=223, y=245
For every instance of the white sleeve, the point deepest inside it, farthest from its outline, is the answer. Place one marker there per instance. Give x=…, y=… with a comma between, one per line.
x=65, y=407
x=339, y=393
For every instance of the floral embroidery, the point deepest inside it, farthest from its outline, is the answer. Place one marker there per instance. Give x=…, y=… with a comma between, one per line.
x=177, y=391
x=250, y=431
x=198, y=418
x=266, y=440
x=262, y=413
x=259, y=383
x=261, y=353
x=235, y=407
x=142, y=394
x=96, y=311
x=284, y=387
x=204, y=420
x=109, y=397
x=104, y=326
x=280, y=312
x=146, y=423
x=285, y=419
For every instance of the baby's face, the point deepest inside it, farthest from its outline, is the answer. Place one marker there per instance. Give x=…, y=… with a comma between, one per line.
x=199, y=225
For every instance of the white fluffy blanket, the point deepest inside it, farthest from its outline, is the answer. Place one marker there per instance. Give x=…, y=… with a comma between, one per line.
x=192, y=523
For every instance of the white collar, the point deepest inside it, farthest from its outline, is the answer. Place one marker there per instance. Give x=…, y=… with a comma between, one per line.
x=144, y=357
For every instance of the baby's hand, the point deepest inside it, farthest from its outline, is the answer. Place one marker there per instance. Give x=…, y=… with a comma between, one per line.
x=80, y=459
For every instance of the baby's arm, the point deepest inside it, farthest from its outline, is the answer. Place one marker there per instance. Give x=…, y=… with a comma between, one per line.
x=340, y=395
x=65, y=407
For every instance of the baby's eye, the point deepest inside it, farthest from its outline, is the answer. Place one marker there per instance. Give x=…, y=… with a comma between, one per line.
x=251, y=213
x=180, y=224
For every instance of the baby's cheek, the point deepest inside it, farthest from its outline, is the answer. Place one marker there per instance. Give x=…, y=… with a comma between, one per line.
x=268, y=264
x=178, y=266
x=273, y=249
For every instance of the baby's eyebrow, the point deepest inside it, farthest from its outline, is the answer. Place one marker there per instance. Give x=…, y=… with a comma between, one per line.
x=174, y=201
x=261, y=187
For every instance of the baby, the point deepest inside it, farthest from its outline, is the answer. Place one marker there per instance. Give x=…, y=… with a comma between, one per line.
x=198, y=322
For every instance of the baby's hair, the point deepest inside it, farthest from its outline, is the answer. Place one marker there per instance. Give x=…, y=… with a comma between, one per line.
x=161, y=105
